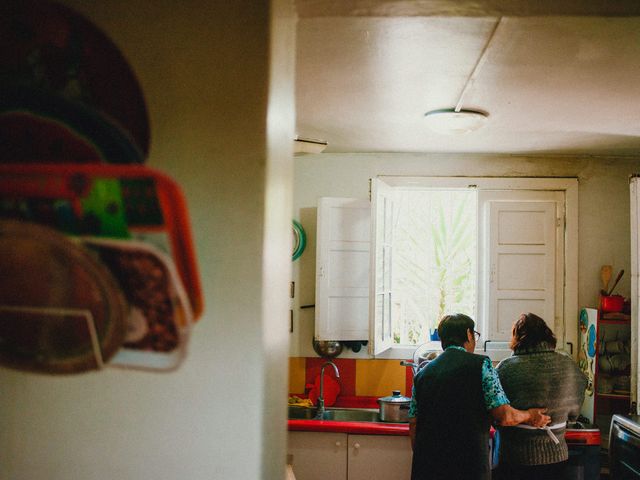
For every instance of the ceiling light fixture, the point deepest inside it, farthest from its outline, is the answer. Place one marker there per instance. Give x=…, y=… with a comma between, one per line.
x=448, y=121
x=458, y=120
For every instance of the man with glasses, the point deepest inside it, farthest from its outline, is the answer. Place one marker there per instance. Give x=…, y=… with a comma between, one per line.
x=455, y=398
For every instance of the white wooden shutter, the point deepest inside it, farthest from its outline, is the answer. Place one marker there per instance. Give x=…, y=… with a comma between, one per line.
x=522, y=240
x=342, y=269
x=635, y=290
x=382, y=214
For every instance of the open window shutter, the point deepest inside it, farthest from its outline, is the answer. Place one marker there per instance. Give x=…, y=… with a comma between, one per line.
x=635, y=288
x=381, y=336
x=342, y=269
x=523, y=243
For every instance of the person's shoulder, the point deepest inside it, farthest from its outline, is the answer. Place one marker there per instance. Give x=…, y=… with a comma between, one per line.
x=423, y=371
x=562, y=358
x=506, y=363
x=568, y=361
x=452, y=352
x=563, y=355
x=478, y=357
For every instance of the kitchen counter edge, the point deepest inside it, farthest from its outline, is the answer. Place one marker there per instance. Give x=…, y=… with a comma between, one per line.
x=363, y=428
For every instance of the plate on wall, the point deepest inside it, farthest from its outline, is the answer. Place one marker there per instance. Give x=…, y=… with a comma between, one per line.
x=48, y=46
x=38, y=126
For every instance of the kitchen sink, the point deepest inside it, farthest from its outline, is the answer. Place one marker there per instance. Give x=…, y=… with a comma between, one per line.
x=335, y=414
x=302, y=413
x=351, y=415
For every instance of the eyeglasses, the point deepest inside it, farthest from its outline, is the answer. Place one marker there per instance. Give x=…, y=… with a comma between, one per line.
x=477, y=335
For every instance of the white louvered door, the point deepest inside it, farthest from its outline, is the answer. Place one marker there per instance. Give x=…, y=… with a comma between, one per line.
x=523, y=259
x=382, y=218
x=342, y=269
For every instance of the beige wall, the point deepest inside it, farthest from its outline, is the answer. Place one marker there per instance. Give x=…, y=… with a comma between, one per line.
x=604, y=228
x=204, y=68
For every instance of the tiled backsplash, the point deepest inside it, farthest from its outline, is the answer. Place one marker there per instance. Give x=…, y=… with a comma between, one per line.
x=369, y=379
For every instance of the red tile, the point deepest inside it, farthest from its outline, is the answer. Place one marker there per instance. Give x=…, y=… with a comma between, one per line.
x=346, y=367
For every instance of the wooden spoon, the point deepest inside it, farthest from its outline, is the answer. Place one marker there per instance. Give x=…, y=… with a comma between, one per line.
x=605, y=276
x=616, y=282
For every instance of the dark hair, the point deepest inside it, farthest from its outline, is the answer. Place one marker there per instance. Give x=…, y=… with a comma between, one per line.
x=530, y=331
x=452, y=329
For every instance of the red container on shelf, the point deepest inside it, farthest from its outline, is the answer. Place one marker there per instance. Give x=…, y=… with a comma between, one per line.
x=612, y=303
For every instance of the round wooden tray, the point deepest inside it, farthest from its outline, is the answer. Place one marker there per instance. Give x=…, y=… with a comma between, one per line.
x=61, y=310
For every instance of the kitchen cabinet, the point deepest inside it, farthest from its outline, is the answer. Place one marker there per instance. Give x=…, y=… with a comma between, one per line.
x=373, y=457
x=318, y=455
x=341, y=456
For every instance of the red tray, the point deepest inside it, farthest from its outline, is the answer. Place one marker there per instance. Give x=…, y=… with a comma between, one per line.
x=110, y=201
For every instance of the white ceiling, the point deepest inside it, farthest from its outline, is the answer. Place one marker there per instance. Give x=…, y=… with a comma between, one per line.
x=562, y=83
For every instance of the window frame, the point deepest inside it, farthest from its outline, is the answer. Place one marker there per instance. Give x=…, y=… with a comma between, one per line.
x=567, y=185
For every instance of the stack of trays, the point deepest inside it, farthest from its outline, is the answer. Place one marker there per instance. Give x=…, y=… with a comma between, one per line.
x=99, y=245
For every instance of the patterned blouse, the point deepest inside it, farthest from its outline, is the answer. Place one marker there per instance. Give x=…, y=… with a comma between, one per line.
x=494, y=395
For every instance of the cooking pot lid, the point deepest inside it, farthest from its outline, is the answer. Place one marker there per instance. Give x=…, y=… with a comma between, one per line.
x=396, y=397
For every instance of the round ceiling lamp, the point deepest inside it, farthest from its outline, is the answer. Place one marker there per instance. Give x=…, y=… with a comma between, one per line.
x=457, y=121
x=449, y=121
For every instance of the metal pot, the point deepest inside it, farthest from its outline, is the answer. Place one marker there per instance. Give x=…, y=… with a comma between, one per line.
x=394, y=409
x=327, y=348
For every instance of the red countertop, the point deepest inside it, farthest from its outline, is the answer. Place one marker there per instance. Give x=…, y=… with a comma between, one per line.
x=574, y=437
x=363, y=428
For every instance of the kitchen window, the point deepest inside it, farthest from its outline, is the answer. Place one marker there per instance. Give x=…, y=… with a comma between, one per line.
x=488, y=247
x=434, y=260
x=426, y=246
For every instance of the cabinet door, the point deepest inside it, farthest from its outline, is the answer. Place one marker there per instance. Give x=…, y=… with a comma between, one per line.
x=379, y=457
x=318, y=456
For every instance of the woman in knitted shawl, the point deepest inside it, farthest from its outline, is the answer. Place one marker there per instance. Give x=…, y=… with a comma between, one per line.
x=537, y=375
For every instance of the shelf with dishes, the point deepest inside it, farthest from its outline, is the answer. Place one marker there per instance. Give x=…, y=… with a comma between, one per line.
x=614, y=395
x=615, y=385
x=613, y=363
x=615, y=318
x=605, y=357
x=614, y=360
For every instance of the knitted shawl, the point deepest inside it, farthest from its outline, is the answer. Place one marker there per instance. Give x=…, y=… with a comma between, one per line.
x=539, y=377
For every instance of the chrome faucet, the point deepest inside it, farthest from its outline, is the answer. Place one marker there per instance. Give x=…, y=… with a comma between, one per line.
x=414, y=366
x=321, y=409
